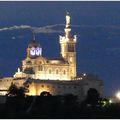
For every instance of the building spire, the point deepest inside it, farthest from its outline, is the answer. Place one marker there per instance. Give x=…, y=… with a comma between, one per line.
x=67, y=20
x=67, y=27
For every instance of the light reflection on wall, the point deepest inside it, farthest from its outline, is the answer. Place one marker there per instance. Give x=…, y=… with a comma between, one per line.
x=43, y=87
x=37, y=89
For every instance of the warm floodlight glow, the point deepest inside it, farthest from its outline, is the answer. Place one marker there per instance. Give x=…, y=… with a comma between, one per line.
x=118, y=95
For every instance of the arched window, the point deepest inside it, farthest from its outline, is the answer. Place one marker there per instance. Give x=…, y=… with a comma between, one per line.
x=40, y=68
x=71, y=48
x=45, y=93
x=50, y=71
x=57, y=71
x=64, y=72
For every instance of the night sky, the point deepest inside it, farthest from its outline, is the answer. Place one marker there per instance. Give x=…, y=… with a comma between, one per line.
x=97, y=25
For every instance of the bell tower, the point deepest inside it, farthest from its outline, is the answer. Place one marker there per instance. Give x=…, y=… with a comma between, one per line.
x=68, y=47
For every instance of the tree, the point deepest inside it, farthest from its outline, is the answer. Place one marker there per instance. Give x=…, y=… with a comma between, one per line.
x=16, y=91
x=15, y=101
x=92, y=97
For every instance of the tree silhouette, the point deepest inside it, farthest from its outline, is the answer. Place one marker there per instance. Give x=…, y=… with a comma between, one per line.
x=16, y=91
x=92, y=97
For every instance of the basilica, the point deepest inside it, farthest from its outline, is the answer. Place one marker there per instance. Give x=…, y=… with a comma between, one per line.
x=57, y=76
x=62, y=68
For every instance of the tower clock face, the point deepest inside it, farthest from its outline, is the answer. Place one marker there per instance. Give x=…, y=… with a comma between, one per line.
x=36, y=51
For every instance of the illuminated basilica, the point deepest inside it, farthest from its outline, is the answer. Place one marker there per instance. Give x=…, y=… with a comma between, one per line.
x=57, y=76
x=63, y=68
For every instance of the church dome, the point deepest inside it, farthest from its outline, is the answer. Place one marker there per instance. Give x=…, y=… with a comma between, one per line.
x=33, y=43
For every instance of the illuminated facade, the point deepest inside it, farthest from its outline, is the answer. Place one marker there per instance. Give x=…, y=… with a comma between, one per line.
x=57, y=76
x=38, y=67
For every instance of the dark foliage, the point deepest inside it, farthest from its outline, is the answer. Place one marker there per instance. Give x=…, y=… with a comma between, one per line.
x=92, y=97
x=16, y=91
x=66, y=106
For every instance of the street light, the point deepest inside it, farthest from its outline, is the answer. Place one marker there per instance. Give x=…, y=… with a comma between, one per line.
x=110, y=101
x=118, y=95
x=84, y=74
